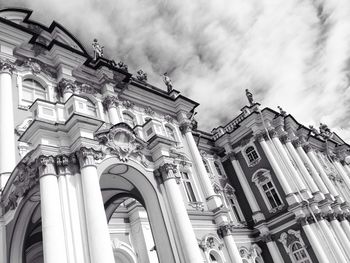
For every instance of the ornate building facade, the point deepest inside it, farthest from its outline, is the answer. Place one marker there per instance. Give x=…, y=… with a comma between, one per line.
x=97, y=165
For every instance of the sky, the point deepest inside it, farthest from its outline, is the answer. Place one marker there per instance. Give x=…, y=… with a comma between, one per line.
x=289, y=53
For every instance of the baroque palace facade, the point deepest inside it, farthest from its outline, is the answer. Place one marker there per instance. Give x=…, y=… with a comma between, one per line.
x=97, y=165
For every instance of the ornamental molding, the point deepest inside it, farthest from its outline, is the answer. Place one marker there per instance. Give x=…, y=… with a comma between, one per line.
x=228, y=229
x=36, y=67
x=209, y=242
x=168, y=171
x=7, y=66
x=199, y=206
x=149, y=111
x=289, y=237
x=168, y=119
x=128, y=104
x=67, y=85
x=121, y=141
x=109, y=102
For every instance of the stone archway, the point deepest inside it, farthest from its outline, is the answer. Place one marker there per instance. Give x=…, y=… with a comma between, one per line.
x=119, y=180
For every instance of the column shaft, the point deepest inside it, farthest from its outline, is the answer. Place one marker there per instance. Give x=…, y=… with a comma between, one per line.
x=280, y=175
x=344, y=241
x=3, y=249
x=182, y=222
x=7, y=135
x=332, y=242
x=113, y=115
x=310, y=182
x=315, y=175
x=274, y=251
x=316, y=246
x=323, y=174
x=346, y=226
x=245, y=185
x=288, y=163
x=51, y=216
x=213, y=200
x=232, y=249
x=97, y=228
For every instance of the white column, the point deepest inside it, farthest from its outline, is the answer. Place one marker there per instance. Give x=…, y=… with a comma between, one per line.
x=273, y=249
x=188, y=241
x=213, y=200
x=51, y=213
x=3, y=249
x=331, y=241
x=315, y=243
x=310, y=182
x=7, y=135
x=343, y=174
x=97, y=228
x=226, y=232
x=287, y=162
x=344, y=241
x=72, y=224
x=320, y=170
x=311, y=167
x=346, y=226
x=246, y=187
x=110, y=104
x=66, y=88
x=290, y=196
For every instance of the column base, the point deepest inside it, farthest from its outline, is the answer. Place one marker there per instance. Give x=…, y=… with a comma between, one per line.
x=318, y=196
x=306, y=194
x=258, y=216
x=214, y=202
x=292, y=199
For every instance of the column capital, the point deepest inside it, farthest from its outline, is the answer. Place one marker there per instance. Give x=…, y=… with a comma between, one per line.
x=341, y=217
x=225, y=230
x=7, y=66
x=46, y=165
x=186, y=126
x=297, y=143
x=303, y=220
x=88, y=156
x=319, y=216
x=66, y=164
x=285, y=138
x=167, y=171
x=232, y=155
x=273, y=133
x=66, y=85
x=109, y=102
x=260, y=136
x=331, y=217
x=307, y=147
x=266, y=238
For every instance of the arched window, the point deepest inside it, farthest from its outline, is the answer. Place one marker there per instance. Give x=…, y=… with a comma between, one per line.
x=170, y=132
x=218, y=169
x=188, y=187
x=251, y=155
x=32, y=90
x=129, y=119
x=262, y=179
x=299, y=253
x=206, y=165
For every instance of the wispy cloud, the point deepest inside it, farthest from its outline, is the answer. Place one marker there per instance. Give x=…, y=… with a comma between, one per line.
x=289, y=53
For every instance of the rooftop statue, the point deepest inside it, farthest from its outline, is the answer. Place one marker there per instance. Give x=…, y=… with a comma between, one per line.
x=141, y=75
x=167, y=82
x=282, y=112
x=249, y=97
x=98, y=49
x=325, y=132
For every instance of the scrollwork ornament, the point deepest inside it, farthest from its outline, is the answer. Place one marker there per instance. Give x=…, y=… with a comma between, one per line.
x=110, y=102
x=88, y=156
x=7, y=66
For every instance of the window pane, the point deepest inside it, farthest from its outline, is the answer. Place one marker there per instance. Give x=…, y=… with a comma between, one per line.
x=190, y=192
x=218, y=169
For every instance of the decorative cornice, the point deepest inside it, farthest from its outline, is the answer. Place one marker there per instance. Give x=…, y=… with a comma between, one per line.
x=7, y=66
x=110, y=102
x=128, y=104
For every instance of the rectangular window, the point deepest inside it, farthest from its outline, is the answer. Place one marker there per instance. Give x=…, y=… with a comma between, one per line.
x=271, y=195
x=187, y=184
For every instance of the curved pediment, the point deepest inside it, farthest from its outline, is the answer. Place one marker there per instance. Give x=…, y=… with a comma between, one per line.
x=42, y=35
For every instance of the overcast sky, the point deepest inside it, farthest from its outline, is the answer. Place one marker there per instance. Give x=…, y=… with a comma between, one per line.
x=287, y=52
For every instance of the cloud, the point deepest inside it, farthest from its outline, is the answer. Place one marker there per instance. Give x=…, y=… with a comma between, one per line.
x=289, y=53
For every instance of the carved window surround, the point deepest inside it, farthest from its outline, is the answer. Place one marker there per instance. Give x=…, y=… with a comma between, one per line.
x=250, y=162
